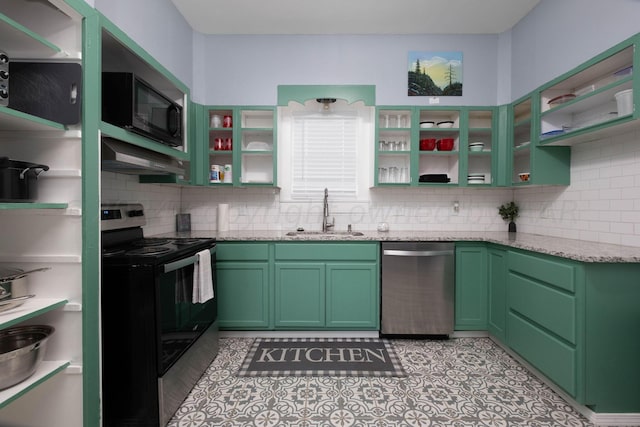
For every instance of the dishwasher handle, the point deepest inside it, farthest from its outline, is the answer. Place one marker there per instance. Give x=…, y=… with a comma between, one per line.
x=394, y=252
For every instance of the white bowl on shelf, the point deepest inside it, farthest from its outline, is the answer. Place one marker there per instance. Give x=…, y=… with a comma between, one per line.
x=445, y=124
x=426, y=125
x=476, y=146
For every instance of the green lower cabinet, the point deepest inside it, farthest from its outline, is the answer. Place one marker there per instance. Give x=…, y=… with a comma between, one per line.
x=577, y=323
x=329, y=286
x=497, y=284
x=471, y=286
x=352, y=295
x=300, y=295
x=243, y=281
x=542, y=319
x=612, y=337
x=243, y=295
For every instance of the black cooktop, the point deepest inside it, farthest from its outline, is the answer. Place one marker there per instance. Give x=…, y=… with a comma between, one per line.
x=151, y=249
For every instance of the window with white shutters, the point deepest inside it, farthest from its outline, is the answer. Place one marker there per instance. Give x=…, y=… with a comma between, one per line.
x=325, y=155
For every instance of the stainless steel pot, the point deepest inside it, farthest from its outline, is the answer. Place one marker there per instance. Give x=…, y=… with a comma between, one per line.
x=21, y=351
x=19, y=180
x=14, y=287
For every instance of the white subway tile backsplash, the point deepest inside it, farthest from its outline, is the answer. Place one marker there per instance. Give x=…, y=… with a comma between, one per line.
x=603, y=201
x=601, y=204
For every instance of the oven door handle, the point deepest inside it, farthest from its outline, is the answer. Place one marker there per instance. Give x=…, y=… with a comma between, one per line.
x=176, y=265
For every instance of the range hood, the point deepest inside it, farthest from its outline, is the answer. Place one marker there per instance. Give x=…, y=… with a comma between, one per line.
x=120, y=157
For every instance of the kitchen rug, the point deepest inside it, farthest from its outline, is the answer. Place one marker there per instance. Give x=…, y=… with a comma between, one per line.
x=343, y=357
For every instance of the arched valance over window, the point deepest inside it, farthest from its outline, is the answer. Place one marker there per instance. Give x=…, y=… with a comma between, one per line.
x=303, y=93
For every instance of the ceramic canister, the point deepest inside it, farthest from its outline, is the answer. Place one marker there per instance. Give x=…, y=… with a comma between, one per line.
x=215, y=173
x=227, y=174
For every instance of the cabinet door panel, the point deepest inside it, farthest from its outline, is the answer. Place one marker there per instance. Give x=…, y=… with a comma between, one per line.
x=300, y=295
x=549, y=307
x=551, y=356
x=497, y=276
x=352, y=295
x=555, y=272
x=243, y=294
x=471, y=287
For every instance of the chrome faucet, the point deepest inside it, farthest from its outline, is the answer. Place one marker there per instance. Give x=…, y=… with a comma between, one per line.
x=326, y=225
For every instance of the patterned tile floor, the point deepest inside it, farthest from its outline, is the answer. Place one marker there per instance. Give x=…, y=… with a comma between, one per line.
x=457, y=382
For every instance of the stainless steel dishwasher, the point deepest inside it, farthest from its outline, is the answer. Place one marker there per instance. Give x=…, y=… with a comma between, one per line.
x=417, y=288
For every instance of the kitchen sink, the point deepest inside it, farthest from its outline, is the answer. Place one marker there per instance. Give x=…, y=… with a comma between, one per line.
x=325, y=233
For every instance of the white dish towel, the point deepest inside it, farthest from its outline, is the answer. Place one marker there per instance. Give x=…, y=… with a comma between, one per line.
x=202, y=278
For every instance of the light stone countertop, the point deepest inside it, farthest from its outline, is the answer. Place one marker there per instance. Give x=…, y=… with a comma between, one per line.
x=578, y=250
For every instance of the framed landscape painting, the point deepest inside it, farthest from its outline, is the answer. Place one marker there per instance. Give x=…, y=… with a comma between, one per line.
x=435, y=74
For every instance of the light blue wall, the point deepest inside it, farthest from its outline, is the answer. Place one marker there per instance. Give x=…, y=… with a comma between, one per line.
x=248, y=69
x=559, y=35
x=553, y=38
x=158, y=27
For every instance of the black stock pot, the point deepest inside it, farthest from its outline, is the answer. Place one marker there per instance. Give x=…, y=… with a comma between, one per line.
x=19, y=180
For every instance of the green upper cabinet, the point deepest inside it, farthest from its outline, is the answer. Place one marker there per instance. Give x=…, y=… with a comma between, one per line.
x=436, y=146
x=219, y=144
x=445, y=126
x=240, y=145
x=594, y=100
x=531, y=163
x=479, y=154
x=257, y=146
x=394, y=147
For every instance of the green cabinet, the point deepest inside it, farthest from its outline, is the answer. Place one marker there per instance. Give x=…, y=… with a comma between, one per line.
x=576, y=323
x=240, y=145
x=352, y=295
x=542, y=319
x=471, y=286
x=243, y=285
x=497, y=288
x=300, y=295
x=327, y=286
x=408, y=146
x=594, y=100
x=531, y=163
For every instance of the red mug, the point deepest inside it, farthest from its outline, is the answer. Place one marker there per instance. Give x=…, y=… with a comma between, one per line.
x=227, y=122
x=228, y=144
x=217, y=144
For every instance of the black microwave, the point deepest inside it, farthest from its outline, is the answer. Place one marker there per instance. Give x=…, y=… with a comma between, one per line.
x=131, y=103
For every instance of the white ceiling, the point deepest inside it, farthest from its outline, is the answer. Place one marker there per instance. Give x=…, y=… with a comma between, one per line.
x=353, y=16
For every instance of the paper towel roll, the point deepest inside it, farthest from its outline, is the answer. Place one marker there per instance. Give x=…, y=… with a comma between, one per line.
x=223, y=217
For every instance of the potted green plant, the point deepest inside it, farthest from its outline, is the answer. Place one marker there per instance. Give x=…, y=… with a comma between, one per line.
x=509, y=211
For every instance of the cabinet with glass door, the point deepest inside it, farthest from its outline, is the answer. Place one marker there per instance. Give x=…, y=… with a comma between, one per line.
x=242, y=146
x=220, y=141
x=257, y=139
x=393, y=146
x=439, y=140
x=521, y=146
x=479, y=148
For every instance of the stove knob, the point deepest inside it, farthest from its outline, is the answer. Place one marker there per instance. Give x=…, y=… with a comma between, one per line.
x=4, y=93
x=3, y=58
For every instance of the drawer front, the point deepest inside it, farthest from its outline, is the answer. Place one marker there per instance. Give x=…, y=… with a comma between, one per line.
x=549, y=355
x=554, y=272
x=242, y=251
x=551, y=308
x=327, y=251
